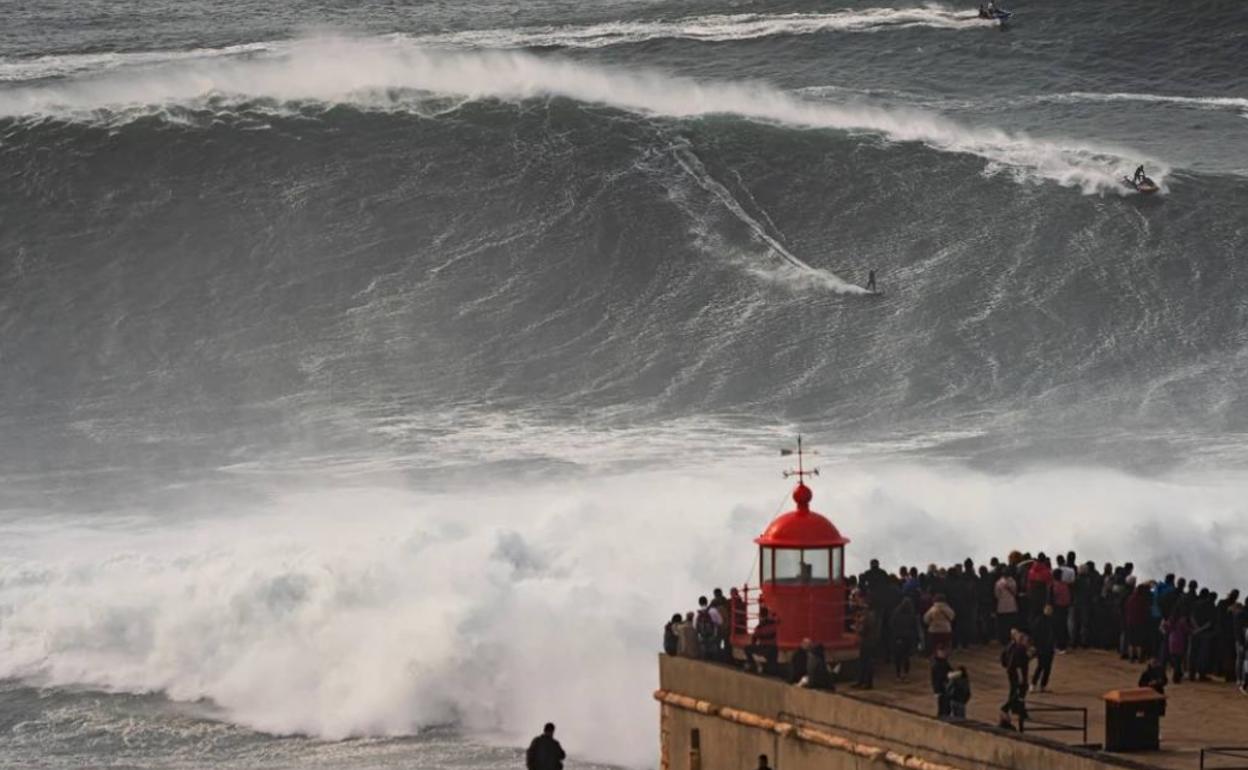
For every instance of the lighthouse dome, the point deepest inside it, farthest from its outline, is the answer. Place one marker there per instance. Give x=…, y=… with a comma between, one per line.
x=801, y=527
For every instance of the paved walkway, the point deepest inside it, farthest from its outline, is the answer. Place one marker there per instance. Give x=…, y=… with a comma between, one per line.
x=1198, y=714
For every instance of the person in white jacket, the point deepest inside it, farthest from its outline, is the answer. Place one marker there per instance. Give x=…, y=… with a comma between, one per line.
x=939, y=621
x=1006, y=592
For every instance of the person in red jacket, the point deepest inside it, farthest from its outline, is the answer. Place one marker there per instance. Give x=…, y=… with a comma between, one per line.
x=1063, y=597
x=764, y=644
x=1136, y=614
x=1039, y=583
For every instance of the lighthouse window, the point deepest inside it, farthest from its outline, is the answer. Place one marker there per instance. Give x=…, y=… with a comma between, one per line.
x=788, y=565
x=818, y=565
x=798, y=566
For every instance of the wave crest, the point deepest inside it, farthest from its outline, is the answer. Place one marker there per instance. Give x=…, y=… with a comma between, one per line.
x=396, y=74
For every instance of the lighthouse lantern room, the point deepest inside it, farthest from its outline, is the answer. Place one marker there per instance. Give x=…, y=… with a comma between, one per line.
x=801, y=568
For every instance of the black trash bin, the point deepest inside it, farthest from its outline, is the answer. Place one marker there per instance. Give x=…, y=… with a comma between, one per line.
x=1133, y=719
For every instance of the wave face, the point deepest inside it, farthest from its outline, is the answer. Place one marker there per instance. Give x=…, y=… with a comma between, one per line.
x=394, y=374
x=467, y=216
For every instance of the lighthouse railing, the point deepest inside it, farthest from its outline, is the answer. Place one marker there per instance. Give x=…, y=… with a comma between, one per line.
x=743, y=616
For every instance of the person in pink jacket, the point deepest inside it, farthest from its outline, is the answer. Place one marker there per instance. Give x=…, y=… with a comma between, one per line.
x=1176, y=631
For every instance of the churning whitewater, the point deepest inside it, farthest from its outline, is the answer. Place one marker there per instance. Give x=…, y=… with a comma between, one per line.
x=391, y=374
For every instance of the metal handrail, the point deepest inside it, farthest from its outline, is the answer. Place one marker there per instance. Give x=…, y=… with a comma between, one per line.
x=1047, y=726
x=1237, y=752
x=751, y=595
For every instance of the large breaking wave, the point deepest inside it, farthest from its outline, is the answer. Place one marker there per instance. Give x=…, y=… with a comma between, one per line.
x=364, y=384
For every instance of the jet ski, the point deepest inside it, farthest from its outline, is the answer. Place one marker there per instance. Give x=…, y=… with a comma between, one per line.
x=1145, y=186
x=996, y=14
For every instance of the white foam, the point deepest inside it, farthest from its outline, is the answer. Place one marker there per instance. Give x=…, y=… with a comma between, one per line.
x=1236, y=103
x=714, y=28
x=63, y=65
x=392, y=74
x=711, y=28
x=377, y=610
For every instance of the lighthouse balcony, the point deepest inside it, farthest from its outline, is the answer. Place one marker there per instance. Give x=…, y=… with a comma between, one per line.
x=799, y=616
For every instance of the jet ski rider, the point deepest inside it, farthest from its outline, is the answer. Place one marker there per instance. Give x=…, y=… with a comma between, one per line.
x=1139, y=177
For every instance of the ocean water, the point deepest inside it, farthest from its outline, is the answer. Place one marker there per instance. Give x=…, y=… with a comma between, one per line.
x=375, y=379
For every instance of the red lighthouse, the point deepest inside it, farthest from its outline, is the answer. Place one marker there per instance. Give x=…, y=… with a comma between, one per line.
x=801, y=568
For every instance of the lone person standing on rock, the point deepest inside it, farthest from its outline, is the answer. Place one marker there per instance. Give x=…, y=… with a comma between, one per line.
x=545, y=753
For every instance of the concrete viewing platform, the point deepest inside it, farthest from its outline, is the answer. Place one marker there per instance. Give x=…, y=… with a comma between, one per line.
x=1198, y=714
x=716, y=716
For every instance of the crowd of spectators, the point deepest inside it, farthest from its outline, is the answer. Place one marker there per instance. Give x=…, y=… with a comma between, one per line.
x=1035, y=608
x=1063, y=606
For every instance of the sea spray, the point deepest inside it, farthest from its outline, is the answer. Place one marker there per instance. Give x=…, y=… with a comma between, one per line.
x=350, y=610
